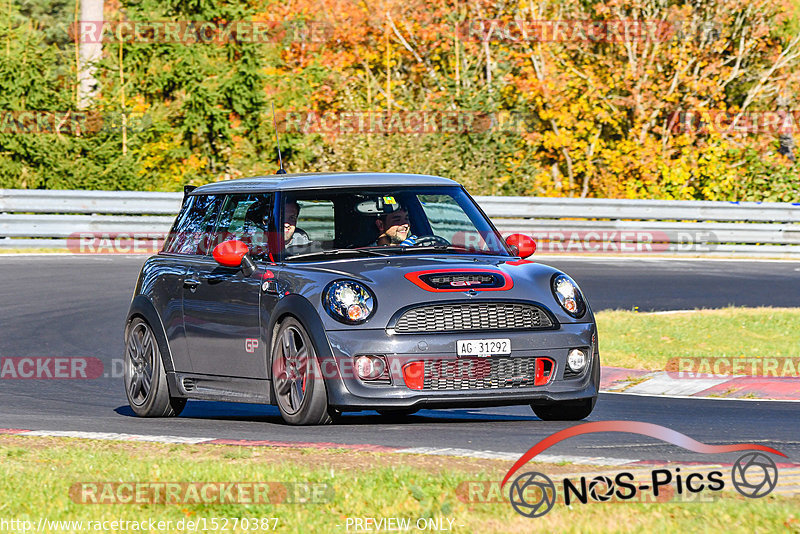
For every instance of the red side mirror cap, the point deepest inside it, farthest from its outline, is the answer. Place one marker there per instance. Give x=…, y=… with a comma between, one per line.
x=230, y=253
x=525, y=245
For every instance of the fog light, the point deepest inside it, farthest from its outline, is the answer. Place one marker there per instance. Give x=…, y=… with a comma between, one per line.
x=576, y=359
x=414, y=375
x=370, y=367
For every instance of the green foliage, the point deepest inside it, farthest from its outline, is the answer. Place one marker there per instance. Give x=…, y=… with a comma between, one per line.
x=200, y=112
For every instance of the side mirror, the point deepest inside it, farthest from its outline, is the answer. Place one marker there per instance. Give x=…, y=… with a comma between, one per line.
x=523, y=244
x=234, y=254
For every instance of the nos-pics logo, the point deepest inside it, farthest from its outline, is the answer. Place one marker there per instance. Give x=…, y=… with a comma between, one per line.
x=533, y=494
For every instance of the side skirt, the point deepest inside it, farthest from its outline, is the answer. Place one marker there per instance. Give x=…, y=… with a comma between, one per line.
x=220, y=388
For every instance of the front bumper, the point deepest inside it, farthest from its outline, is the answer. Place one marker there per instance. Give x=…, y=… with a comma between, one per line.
x=346, y=391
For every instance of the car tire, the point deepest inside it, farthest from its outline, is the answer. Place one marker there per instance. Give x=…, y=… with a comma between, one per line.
x=144, y=377
x=565, y=410
x=293, y=361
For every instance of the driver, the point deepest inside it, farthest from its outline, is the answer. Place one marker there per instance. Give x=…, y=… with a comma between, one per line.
x=394, y=228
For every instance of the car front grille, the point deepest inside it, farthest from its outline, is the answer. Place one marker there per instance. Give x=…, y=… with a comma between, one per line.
x=472, y=316
x=481, y=373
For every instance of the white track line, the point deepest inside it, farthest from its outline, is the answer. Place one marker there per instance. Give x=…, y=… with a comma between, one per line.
x=695, y=398
x=110, y=436
x=428, y=451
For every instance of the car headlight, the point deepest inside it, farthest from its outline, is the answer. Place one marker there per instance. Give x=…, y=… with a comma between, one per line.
x=348, y=301
x=568, y=295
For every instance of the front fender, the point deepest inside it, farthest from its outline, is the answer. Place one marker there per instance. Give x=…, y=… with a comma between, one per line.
x=300, y=308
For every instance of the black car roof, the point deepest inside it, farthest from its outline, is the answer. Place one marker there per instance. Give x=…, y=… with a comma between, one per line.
x=321, y=180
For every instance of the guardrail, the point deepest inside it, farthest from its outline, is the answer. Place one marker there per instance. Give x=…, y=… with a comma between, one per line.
x=54, y=219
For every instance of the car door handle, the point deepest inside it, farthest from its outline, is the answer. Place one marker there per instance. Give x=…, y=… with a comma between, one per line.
x=191, y=283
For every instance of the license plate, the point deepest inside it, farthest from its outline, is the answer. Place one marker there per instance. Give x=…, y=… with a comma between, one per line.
x=483, y=347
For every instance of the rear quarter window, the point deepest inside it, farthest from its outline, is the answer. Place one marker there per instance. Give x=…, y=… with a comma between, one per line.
x=245, y=217
x=194, y=226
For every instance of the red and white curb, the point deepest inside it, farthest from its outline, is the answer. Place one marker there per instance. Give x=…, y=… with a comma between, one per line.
x=662, y=383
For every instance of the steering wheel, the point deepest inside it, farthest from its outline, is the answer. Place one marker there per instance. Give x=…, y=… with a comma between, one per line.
x=431, y=240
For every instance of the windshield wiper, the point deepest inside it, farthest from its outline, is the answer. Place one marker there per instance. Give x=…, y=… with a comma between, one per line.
x=438, y=248
x=415, y=248
x=450, y=248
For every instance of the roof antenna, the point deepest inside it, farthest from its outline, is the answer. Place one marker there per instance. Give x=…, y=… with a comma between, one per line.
x=280, y=159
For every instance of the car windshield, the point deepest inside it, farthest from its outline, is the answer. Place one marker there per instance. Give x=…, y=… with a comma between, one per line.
x=388, y=221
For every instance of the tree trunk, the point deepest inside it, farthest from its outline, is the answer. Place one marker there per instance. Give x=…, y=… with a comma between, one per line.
x=90, y=53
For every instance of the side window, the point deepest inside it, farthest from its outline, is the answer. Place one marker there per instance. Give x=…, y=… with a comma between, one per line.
x=446, y=217
x=245, y=218
x=315, y=219
x=194, y=225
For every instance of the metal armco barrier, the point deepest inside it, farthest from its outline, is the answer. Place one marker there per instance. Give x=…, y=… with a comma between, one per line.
x=47, y=218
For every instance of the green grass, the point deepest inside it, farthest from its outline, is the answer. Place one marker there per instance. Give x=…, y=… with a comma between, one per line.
x=38, y=472
x=648, y=341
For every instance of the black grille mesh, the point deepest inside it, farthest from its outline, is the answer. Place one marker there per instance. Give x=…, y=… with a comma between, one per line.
x=479, y=373
x=569, y=373
x=473, y=316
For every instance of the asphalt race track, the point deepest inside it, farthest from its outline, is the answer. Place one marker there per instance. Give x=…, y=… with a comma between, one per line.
x=75, y=306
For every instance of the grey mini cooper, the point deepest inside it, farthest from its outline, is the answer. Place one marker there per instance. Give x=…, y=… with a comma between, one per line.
x=324, y=293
